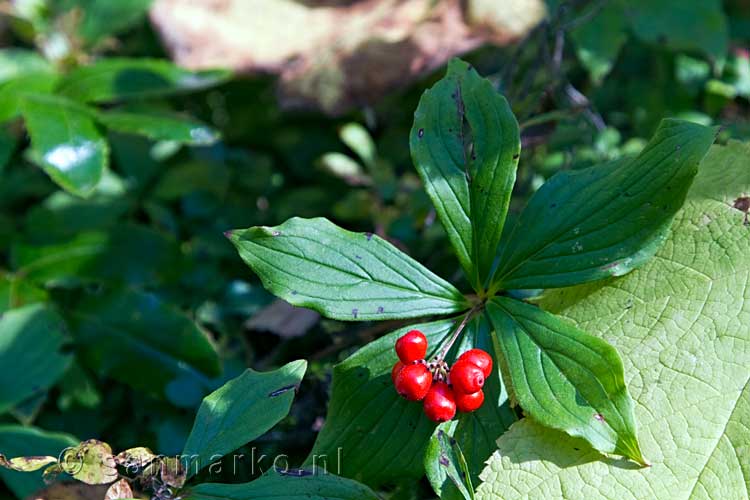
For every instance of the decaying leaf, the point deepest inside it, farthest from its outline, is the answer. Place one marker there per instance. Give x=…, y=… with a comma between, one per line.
x=336, y=56
x=135, y=457
x=91, y=462
x=25, y=464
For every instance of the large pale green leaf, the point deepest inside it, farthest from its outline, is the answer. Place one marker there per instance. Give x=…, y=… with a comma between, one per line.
x=681, y=326
x=17, y=441
x=371, y=434
x=30, y=357
x=139, y=339
x=465, y=144
x=292, y=485
x=160, y=127
x=343, y=275
x=115, y=79
x=606, y=220
x=241, y=410
x=564, y=378
x=66, y=142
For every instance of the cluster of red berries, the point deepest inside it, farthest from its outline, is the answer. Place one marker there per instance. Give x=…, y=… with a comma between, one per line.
x=442, y=389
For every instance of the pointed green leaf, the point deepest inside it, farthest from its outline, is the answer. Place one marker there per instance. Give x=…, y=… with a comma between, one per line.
x=160, y=127
x=17, y=440
x=446, y=466
x=564, y=378
x=371, y=434
x=606, y=220
x=477, y=431
x=30, y=341
x=66, y=142
x=343, y=275
x=465, y=143
x=680, y=324
x=240, y=411
x=291, y=485
x=115, y=79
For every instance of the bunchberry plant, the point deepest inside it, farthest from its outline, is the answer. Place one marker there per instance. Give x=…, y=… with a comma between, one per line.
x=581, y=226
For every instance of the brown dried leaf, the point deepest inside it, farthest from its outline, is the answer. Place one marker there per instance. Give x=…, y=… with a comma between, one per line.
x=120, y=489
x=283, y=319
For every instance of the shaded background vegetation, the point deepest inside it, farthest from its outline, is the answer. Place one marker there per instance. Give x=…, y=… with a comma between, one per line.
x=143, y=259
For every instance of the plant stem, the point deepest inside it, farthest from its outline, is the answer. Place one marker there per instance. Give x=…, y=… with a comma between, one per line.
x=447, y=347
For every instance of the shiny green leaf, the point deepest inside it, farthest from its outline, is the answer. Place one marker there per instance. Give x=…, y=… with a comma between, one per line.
x=66, y=142
x=30, y=341
x=465, y=143
x=241, y=410
x=564, y=378
x=115, y=79
x=603, y=221
x=343, y=275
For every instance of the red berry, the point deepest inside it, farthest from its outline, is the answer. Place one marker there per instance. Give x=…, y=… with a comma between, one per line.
x=466, y=377
x=411, y=346
x=413, y=382
x=395, y=371
x=469, y=402
x=479, y=358
x=440, y=403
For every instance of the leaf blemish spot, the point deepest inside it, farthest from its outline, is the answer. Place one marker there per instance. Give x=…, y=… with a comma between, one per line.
x=276, y=233
x=355, y=312
x=369, y=236
x=381, y=309
x=444, y=460
x=420, y=133
x=599, y=417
